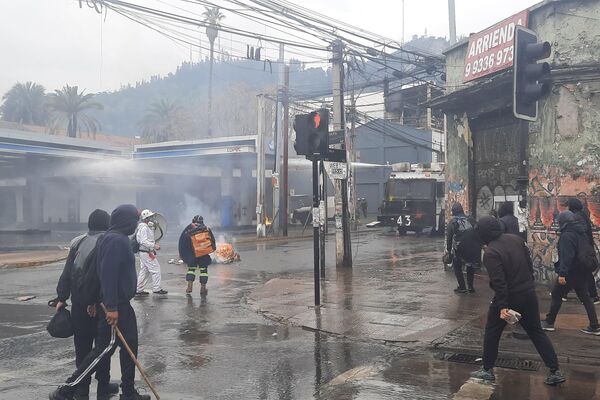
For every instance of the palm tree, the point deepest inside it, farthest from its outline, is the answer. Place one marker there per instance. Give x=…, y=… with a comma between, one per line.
x=213, y=16
x=161, y=122
x=69, y=105
x=25, y=103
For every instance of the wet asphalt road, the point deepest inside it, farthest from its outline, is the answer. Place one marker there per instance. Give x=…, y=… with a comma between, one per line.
x=219, y=348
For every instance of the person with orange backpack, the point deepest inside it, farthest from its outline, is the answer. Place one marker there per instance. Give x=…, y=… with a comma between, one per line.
x=196, y=242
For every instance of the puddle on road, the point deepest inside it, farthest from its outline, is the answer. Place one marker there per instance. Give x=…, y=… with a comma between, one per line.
x=23, y=319
x=451, y=380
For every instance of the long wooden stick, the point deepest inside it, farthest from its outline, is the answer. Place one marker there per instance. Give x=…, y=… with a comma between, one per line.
x=133, y=357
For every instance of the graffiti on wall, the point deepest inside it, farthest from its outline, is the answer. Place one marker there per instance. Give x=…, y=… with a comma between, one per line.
x=549, y=192
x=457, y=193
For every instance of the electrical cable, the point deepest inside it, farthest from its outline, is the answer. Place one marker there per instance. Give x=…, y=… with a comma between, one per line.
x=201, y=23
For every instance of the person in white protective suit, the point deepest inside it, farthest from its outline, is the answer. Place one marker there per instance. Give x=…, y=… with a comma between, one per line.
x=149, y=266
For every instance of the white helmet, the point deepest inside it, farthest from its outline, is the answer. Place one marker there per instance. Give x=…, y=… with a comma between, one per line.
x=146, y=214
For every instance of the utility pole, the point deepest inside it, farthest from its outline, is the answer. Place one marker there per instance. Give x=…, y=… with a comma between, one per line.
x=353, y=157
x=284, y=189
x=452, y=21
x=260, y=169
x=403, y=20
x=342, y=227
x=278, y=143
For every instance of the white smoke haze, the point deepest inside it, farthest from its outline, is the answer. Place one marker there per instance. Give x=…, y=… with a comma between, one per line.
x=192, y=206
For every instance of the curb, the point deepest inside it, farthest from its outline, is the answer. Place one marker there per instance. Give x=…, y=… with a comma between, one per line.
x=572, y=360
x=270, y=239
x=251, y=304
x=26, y=264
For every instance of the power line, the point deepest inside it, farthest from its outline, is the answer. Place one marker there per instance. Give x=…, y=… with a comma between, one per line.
x=201, y=23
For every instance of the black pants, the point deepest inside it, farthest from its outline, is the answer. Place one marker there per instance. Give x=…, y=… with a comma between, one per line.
x=200, y=270
x=128, y=325
x=581, y=287
x=592, y=286
x=527, y=305
x=85, y=329
x=457, y=265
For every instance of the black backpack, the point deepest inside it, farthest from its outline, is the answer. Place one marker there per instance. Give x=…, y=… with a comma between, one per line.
x=135, y=246
x=586, y=255
x=463, y=227
x=87, y=283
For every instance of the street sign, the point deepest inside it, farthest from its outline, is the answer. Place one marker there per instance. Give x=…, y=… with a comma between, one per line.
x=337, y=137
x=491, y=50
x=336, y=170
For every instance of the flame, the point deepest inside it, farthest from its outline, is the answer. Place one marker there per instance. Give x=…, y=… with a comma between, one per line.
x=268, y=221
x=226, y=254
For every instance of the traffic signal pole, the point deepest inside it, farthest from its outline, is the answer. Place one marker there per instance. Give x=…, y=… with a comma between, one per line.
x=316, y=227
x=323, y=198
x=342, y=225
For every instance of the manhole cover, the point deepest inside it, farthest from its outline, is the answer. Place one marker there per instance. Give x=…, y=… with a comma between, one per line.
x=510, y=363
x=523, y=365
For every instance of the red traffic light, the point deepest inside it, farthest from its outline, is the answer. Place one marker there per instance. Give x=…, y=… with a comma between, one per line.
x=316, y=120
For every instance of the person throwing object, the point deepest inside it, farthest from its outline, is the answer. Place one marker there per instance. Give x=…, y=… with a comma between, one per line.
x=510, y=268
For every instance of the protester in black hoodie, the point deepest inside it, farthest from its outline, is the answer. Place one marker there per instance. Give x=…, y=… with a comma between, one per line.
x=576, y=207
x=510, y=223
x=510, y=268
x=570, y=274
x=464, y=246
x=118, y=278
x=84, y=321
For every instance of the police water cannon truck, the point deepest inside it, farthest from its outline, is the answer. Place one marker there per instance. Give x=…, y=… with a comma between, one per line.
x=415, y=199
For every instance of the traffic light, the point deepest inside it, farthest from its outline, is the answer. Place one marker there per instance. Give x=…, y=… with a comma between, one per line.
x=312, y=133
x=527, y=73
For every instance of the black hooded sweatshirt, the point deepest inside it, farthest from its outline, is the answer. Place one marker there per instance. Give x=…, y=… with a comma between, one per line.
x=507, y=260
x=80, y=249
x=510, y=223
x=568, y=243
x=116, y=261
x=469, y=249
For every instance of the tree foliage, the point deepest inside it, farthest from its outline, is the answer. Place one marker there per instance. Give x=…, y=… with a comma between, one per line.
x=25, y=103
x=213, y=16
x=69, y=106
x=162, y=122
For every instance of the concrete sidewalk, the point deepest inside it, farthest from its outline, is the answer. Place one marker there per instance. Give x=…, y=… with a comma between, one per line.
x=409, y=300
x=31, y=258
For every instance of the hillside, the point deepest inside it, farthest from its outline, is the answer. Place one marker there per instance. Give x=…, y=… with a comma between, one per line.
x=235, y=86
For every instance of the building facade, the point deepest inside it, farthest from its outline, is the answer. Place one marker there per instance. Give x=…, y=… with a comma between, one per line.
x=494, y=158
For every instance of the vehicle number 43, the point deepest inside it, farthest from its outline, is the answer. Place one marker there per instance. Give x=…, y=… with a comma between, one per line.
x=404, y=220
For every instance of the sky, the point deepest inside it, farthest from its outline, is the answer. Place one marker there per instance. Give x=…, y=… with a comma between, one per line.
x=54, y=42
